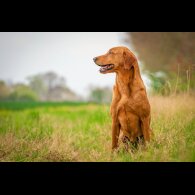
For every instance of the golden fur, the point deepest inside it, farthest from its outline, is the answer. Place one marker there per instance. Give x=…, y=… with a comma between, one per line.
x=130, y=108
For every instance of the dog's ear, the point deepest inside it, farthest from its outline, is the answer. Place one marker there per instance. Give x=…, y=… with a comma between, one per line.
x=128, y=60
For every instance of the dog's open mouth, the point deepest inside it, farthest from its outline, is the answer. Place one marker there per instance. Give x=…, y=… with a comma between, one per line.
x=107, y=67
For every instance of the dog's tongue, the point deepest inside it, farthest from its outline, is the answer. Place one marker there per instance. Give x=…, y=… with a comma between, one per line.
x=103, y=69
x=106, y=67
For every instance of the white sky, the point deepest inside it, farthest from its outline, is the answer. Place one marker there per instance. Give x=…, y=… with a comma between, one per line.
x=69, y=54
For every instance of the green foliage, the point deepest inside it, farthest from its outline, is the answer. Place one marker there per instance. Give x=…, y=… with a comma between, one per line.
x=4, y=90
x=37, y=85
x=100, y=95
x=158, y=81
x=163, y=84
x=22, y=93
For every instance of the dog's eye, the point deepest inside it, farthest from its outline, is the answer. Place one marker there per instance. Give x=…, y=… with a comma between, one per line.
x=110, y=52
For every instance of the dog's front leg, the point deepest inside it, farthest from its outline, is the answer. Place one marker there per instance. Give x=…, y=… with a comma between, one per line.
x=115, y=133
x=146, y=128
x=115, y=123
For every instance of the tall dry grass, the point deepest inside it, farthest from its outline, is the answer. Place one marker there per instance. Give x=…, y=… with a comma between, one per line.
x=83, y=133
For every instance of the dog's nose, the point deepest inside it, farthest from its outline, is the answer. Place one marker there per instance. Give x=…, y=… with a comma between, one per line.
x=94, y=59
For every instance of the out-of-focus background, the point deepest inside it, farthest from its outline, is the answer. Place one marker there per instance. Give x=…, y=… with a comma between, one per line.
x=54, y=103
x=58, y=66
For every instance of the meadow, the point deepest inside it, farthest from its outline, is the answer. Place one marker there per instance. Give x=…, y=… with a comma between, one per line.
x=77, y=132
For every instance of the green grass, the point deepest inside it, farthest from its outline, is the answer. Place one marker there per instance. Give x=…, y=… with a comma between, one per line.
x=35, y=131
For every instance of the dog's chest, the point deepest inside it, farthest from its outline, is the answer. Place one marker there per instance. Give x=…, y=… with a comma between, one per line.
x=122, y=104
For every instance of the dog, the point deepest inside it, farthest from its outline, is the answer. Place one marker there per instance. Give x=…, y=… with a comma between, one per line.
x=130, y=108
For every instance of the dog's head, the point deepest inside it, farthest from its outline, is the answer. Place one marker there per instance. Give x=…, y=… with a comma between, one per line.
x=115, y=59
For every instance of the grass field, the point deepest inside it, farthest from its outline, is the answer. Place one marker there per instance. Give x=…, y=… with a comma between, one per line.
x=82, y=132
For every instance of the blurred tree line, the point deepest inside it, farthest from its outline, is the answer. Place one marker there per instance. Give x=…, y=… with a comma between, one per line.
x=100, y=94
x=168, y=59
x=50, y=87
x=41, y=87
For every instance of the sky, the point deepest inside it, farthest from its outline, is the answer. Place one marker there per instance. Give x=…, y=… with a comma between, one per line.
x=69, y=54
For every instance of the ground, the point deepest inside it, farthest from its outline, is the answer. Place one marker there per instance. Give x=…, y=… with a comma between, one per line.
x=82, y=132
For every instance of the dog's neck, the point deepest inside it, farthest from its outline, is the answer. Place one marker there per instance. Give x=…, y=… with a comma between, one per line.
x=127, y=80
